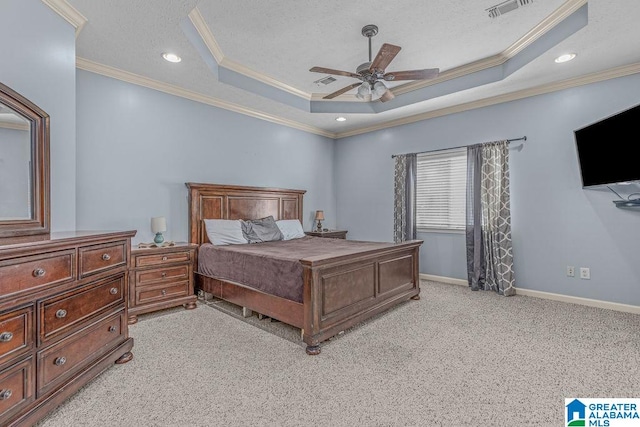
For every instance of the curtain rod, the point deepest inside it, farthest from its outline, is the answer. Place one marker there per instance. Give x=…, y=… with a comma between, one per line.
x=522, y=138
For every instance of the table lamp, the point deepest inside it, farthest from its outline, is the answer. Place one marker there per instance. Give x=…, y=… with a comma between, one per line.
x=158, y=226
x=319, y=218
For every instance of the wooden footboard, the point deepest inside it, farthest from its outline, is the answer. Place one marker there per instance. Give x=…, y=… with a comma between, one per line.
x=341, y=292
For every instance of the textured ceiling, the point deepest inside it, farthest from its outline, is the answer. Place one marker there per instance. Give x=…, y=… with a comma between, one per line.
x=280, y=40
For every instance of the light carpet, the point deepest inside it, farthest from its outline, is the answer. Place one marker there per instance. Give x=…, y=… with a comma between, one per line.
x=453, y=358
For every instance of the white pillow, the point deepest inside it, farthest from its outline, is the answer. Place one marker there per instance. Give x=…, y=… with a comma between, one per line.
x=290, y=228
x=225, y=231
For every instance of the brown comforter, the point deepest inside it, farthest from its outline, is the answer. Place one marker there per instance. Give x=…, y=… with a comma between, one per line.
x=273, y=267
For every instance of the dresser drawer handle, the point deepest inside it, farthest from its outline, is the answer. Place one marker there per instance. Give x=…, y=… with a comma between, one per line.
x=113, y=291
x=5, y=394
x=39, y=272
x=61, y=313
x=6, y=336
x=164, y=274
x=164, y=258
x=106, y=257
x=164, y=292
x=112, y=328
x=60, y=361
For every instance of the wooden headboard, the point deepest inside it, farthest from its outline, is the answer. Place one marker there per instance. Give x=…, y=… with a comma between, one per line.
x=215, y=201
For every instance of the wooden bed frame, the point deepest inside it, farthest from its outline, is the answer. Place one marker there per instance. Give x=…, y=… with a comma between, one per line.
x=339, y=291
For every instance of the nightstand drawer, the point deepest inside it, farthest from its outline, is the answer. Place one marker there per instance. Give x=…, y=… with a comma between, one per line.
x=65, y=311
x=163, y=258
x=16, y=333
x=97, y=258
x=173, y=274
x=35, y=271
x=16, y=388
x=150, y=294
x=61, y=360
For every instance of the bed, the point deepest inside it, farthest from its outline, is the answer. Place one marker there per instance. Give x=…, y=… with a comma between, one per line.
x=339, y=288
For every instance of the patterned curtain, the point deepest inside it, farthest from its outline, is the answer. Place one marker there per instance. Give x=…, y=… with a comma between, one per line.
x=404, y=207
x=489, y=248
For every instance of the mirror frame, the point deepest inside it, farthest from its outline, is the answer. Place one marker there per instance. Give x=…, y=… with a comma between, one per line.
x=39, y=223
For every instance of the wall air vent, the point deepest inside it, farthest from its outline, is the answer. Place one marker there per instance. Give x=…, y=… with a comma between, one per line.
x=325, y=81
x=506, y=6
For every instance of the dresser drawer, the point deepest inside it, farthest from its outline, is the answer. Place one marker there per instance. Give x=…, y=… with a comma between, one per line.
x=149, y=294
x=63, y=359
x=64, y=311
x=16, y=388
x=156, y=275
x=97, y=258
x=35, y=271
x=16, y=333
x=163, y=258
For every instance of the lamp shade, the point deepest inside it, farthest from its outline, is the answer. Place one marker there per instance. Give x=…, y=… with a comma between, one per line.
x=379, y=88
x=319, y=215
x=158, y=224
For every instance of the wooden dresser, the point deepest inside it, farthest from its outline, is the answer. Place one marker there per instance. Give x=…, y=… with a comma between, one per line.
x=161, y=278
x=63, y=318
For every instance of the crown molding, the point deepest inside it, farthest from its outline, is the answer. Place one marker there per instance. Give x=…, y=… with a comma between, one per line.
x=68, y=12
x=559, y=15
x=512, y=96
x=538, y=31
x=105, y=70
x=87, y=65
x=214, y=48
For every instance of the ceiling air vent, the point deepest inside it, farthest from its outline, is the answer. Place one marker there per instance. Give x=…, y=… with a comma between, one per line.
x=325, y=81
x=506, y=6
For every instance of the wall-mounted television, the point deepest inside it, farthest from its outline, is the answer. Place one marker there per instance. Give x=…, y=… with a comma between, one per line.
x=606, y=149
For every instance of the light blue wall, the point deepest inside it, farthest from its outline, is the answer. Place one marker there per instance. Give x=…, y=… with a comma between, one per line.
x=38, y=61
x=137, y=147
x=555, y=222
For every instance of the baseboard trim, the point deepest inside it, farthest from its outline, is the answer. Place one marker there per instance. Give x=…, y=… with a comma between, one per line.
x=443, y=279
x=626, y=308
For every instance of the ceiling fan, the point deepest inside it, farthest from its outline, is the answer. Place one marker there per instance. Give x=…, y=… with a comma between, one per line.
x=372, y=73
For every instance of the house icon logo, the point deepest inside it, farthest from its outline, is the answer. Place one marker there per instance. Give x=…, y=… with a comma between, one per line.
x=576, y=413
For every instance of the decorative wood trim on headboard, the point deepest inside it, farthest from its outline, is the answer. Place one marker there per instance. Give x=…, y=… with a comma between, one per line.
x=217, y=201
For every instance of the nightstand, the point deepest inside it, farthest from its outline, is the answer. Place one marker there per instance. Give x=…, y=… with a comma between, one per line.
x=161, y=278
x=334, y=234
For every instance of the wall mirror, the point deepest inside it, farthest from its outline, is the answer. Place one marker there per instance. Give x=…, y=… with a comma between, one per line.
x=24, y=168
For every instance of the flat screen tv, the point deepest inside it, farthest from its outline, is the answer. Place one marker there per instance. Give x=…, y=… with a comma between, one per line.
x=606, y=149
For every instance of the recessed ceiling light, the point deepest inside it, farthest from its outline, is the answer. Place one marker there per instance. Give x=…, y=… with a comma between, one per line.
x=566, y=57
x=341, y=119
x=171, y=57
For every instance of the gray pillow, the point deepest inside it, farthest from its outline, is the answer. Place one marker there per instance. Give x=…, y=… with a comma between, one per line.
x=261, y=230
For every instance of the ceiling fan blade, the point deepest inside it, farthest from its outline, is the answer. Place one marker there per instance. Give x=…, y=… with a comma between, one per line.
x=341, y=91
x=387, y=96
x=429, y=73
x=335, y=72
x=384, y=57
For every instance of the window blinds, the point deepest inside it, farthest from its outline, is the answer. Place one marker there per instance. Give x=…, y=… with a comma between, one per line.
x=441, y=190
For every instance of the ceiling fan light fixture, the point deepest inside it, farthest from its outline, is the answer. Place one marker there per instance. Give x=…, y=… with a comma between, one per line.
x=363, y=90
x=379, y=88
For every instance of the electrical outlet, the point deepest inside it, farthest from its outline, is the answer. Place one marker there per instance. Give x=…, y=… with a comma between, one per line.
x=571, y=271
x=585, y=273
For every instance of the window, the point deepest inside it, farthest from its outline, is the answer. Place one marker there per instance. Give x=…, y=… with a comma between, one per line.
x=441, y=190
